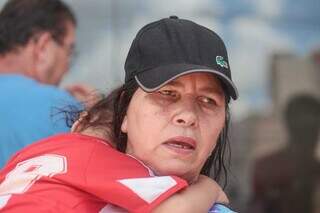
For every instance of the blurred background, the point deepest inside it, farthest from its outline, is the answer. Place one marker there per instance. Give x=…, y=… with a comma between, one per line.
x=274, y=54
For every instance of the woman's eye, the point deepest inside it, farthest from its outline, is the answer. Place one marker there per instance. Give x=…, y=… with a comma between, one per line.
x=169, y=93
x=207, y=100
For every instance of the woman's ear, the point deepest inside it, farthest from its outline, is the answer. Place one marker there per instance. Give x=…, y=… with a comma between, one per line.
x=124, y=125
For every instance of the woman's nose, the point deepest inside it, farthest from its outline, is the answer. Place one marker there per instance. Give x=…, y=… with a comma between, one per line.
x=186, y=114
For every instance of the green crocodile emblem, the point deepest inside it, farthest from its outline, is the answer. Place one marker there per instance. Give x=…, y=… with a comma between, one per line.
x=220, y=61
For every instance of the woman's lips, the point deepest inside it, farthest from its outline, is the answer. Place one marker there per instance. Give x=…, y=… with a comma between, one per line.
x=181, y=145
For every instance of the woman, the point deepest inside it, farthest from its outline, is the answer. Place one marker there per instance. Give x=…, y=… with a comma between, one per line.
x=170, y=118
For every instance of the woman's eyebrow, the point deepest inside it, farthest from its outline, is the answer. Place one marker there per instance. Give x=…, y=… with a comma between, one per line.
x=212, y=89
x=217, y=92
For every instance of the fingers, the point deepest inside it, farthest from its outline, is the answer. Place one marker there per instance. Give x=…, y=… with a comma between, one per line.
x=84, y=93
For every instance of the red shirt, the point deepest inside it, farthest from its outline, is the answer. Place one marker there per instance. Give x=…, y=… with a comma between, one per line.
x=78, y=173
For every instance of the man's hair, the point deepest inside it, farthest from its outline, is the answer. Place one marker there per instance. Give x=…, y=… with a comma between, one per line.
x=22, y=20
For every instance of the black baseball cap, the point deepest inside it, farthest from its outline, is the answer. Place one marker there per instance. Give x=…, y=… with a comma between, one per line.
x=166, y=49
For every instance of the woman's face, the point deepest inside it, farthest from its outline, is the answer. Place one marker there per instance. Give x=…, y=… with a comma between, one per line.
x=175, y=129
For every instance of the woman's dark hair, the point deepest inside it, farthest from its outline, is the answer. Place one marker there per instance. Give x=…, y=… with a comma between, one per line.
x=109, y=113
x=219, y=159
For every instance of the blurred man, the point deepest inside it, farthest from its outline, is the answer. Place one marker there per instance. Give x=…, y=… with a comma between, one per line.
x=36, y=43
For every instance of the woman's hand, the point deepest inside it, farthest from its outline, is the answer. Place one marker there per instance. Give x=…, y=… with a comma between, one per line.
x=217, y=191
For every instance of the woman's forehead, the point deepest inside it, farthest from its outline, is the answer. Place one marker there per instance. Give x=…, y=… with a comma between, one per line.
x=203, y=81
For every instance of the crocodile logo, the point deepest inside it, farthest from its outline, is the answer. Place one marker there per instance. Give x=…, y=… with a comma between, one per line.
x=220, y=61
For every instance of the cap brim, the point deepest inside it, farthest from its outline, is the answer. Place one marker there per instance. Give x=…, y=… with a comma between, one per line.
x=153, y=79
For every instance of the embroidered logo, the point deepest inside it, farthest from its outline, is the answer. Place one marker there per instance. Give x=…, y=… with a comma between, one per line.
x=220, y=61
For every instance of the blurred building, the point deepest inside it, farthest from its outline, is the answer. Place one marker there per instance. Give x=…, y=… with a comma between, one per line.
x=291, y=74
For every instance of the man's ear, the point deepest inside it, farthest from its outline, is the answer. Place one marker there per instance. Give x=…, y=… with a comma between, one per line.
x=44, y=55
x=124, y=125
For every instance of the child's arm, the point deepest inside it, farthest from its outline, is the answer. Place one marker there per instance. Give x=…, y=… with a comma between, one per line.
x=198, y=197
